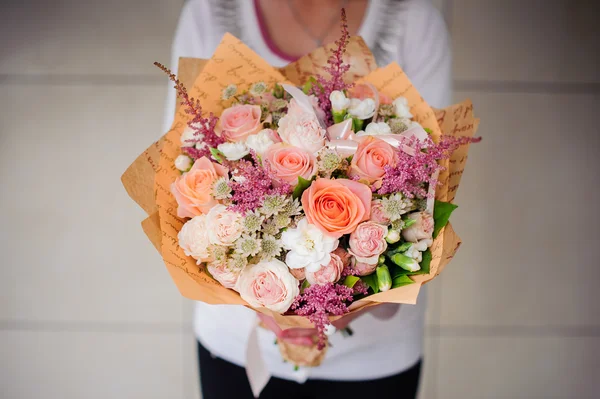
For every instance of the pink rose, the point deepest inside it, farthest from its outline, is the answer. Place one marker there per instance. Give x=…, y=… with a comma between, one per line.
x=329, y=273
x=193, y=189
x=344, y=255
x=367, y=242
x=421, y=229
x=224, y=274
x=288, y=163
x=371, y=156
x=377, y=214
x=268, y=284
x=363, y=269
x=300, y=274
x=240, y=121
x=301, y=129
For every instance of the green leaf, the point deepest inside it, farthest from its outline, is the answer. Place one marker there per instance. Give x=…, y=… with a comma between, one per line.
x=371, y=281
x=350, y=281
x=349, y=159
x=425, y=263
x=307, y=87
x=441, y=215
x=302, y=185
x=408, y=222
x=401, y=280
x=428, y=130
x=217, y=155
x=305, y=284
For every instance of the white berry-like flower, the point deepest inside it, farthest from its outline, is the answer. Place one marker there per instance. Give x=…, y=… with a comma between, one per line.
x=261, y=141
x=339, y=102
x=362, y=109
x=308, y=246
x=183, y=163
x=402, y=108
x=376, y=129
x=233, y=151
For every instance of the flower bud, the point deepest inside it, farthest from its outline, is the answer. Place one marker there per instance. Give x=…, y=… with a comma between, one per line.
x=381, y=260
x=183, y=163
x=384, y=278
x=405, y=262
x=339, y=102
x=362, y=109
x=393, y=236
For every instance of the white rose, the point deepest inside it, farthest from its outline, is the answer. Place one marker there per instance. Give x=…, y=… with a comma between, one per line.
x=375, y=129
x=421, y=229
x=268, y=284
x=402, y=108
x=261, y=141
x=234, y=151
x=308, y=247
x=224, y=226
x=339, y=102
x=193, y=238
x=189, y=138
x=362, y=109
x=183, y=163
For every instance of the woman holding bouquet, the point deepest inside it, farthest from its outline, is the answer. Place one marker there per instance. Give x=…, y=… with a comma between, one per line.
x=383, y=355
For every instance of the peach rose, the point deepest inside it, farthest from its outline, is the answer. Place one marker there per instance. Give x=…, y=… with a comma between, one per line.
x=268, y=284
x=337, y=206
x=377, y=213
x=329, y=273
x=288, y=163
x=367, y=242
x=371, y=156
x=344, y=255
x=362, y=91
x=193, y=189
x=301, y=129
x=422, y=229
x=300, y=274
x=240, y=121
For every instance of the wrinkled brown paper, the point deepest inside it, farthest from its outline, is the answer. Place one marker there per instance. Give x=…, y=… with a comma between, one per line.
x=149, y=178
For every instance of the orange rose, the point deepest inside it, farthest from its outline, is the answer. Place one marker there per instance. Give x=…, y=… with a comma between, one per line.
x=337, y=206
x=371, y=156
x=193, y=190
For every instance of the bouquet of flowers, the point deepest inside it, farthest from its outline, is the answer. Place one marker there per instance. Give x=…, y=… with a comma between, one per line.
x=306, y=193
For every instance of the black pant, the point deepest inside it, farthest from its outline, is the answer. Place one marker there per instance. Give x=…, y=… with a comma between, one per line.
x=220, y=379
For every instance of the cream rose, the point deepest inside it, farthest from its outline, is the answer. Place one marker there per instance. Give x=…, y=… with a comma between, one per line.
x=193, y=239
x=329, y=273
x=301, y=129
x=268, y=284
x=224, y=226
x=421, y=229
x=367, y=242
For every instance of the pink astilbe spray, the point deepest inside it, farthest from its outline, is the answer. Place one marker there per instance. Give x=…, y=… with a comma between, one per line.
x=256, y=182
x=319, y=301
x=412, y=172
x=336, y=68
x=202, y=126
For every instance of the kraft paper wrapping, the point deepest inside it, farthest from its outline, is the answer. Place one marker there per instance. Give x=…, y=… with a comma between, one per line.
x=149, y=178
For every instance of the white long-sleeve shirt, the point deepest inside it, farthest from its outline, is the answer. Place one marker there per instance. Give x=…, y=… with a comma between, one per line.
x=410, y=32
